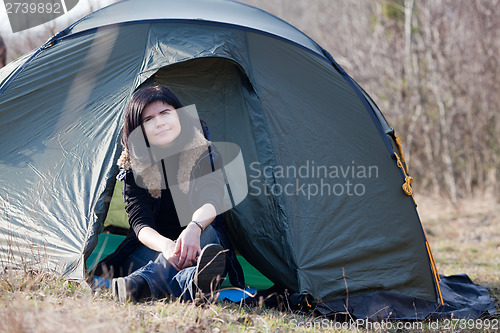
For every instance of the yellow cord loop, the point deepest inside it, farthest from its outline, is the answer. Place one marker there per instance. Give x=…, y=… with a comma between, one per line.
x=307, y=302
x=408, y=179
x=400, y=147
x=406, y=186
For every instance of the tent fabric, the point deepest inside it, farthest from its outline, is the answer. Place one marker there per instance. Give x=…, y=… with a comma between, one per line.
x=302, y=124
x=219, y=12
x=462, y=300
x=83, y=82
x=67, y=105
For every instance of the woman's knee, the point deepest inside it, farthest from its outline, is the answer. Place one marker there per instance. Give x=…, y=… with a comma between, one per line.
x=209, y=236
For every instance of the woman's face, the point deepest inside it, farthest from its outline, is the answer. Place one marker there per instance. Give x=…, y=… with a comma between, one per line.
x=161, y=123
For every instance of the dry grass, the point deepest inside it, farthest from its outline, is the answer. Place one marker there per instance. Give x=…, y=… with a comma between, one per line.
x=41, y=303
x=464, y=239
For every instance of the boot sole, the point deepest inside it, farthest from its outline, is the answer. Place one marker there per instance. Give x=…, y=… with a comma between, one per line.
x=119, y=289
x=210, y=267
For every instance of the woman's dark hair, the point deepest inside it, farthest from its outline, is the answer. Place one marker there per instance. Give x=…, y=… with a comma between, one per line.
x=145, y=96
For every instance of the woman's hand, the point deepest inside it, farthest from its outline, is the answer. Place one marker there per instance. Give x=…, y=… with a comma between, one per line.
x=187, y=247
x=168, y=252
x=152, y=239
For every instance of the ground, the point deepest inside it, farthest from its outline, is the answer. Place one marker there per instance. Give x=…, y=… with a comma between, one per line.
x=465, y=238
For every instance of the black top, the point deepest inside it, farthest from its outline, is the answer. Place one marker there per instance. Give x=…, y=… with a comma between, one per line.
x=160, y=214
x=141, y=209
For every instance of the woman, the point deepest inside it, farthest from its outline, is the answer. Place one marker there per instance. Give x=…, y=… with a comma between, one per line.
x=171, y=174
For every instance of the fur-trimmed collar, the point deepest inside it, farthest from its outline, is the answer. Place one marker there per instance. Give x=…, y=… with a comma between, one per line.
x=151, y=173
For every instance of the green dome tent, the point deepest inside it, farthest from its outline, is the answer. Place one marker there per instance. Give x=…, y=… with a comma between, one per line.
x=325, y=216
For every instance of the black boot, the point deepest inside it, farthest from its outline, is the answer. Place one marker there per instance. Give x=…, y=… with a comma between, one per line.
x=131, y=288
x=209, y=269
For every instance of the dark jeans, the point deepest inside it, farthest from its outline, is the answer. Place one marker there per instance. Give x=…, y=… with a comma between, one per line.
x=163, y=279
x=139, y=258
